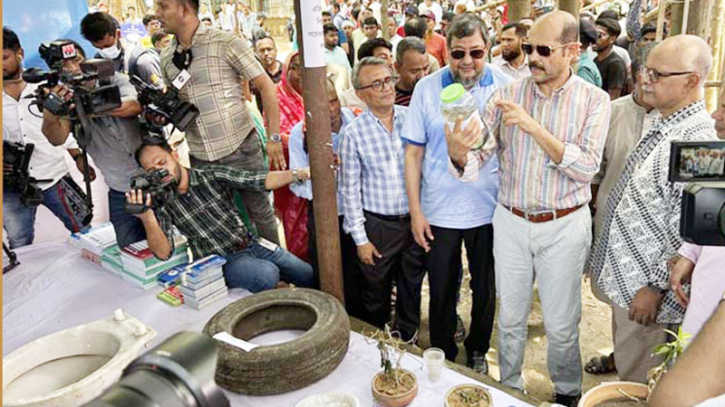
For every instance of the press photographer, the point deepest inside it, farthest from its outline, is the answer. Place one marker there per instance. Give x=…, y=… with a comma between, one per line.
x=111, y=138
x=35, y=172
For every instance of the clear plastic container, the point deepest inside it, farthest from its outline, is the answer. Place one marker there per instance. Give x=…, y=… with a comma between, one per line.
x=457, y=102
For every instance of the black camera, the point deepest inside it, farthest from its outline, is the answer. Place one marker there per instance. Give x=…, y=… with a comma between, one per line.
x=703, y=199
x=92, y=100
x=18, y=179
x=158, y=184
x=177, y=373
x=162, y=108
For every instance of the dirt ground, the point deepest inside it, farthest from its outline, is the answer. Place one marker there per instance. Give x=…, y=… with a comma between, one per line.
x=595, y=339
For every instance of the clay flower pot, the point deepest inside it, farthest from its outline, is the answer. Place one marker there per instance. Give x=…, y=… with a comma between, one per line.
x=394, y=400
x=452, y=398
x=611, y=391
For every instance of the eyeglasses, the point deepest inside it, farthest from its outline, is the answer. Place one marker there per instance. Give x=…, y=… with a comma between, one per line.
x=379, y=85
x=542, y=50
x=474, y=53
x=655, y=75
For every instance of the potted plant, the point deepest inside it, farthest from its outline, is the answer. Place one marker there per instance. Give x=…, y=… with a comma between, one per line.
x=468, y=395
x=393, y=386
x=628, y=393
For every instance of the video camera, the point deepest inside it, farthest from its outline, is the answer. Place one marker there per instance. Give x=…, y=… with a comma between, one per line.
x=18, y=179
x=162, y=108
x=702, y=164
x=92, y=100
x=177, y=373
x=158, y=183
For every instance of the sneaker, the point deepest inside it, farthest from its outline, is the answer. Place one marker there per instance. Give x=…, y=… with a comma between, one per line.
x=569, y=401
x=460, y=334
x=478, y=363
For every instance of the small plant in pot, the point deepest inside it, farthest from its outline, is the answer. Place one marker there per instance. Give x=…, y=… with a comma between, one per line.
x=468, y=395
x=393, y=386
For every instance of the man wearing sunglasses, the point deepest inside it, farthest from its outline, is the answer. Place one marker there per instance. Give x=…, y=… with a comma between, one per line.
x=548, y=131
x=640, y=227
x=611, y=66
x=374, y=203
x=445, y=211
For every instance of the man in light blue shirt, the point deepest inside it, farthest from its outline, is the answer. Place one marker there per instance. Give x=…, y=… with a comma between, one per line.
x=300, y=158
x=446, y=212
x=333, y=53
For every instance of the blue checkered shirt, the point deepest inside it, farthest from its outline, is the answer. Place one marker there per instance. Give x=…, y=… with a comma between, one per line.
x=373, y=175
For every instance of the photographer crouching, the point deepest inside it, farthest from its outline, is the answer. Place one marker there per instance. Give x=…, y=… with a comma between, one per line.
x=199, y=205
x=111, y=137
x=34, y=171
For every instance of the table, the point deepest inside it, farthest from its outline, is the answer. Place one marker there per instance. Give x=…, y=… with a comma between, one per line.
x=54, y=288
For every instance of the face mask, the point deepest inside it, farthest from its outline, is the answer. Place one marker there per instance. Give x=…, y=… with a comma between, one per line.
x=110, y=52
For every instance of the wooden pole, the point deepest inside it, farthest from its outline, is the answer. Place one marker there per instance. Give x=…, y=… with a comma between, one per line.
x=490, y=5
x=571, y=6
x=384, y=19
x=319, y=142
x=717, y=41
x=699, y=16
x=660, y=22
x=519, y=9
x=685, y=15
x=676, y=10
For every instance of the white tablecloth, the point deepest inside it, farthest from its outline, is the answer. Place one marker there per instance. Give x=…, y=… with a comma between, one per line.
x=54, y=288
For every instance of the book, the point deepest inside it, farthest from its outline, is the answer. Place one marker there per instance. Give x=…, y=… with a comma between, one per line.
x=139, y=256
x=95, y=239
x=146, y=284
x=201, y=281
x=171, y=296
x=195, y=270
x=193, y=303
x=169, y=278
x=161, y=266
x=88, y=255
x=205, y=291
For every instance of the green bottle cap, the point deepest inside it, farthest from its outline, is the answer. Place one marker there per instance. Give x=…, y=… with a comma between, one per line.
x=453, y=92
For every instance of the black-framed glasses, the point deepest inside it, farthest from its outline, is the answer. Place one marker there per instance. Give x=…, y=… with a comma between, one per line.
x=379, y=85
x=542, y=50
x=655, y=75
x=474, y=53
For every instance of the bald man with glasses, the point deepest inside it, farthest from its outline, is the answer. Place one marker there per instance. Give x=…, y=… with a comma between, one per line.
x=548, y=131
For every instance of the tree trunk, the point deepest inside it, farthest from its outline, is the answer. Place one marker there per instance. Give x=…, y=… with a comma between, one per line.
x=571, y=6
x=717, y=41
x=518, y=9
x=676, y=9
x=698, y=21
x=384, y=19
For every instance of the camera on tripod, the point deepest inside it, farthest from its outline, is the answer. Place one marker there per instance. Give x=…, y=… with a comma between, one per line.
x=702, y=164
x=157, y=183
x=18, y=179
x=162, y=108
x=93, y=100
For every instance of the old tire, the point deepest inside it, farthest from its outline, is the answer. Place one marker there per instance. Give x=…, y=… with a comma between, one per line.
x=287, y=366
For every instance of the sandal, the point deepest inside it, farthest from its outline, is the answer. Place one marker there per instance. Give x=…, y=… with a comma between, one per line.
x=601, y=365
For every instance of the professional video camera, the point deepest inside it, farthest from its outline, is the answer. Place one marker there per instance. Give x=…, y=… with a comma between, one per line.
x=177, y=373
x=158, y=183
x=162, y=108
x=18, y=179
x=93, y=100
x=702, y=164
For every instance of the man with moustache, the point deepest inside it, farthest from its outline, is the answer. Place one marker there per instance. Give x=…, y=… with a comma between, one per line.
x=548, y=131
x=512, y=59
x=411, y=63
x=446, y=212
x=640, y=231
x=266, y=49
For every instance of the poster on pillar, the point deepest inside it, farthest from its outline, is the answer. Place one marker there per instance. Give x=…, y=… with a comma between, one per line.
x=313, y=40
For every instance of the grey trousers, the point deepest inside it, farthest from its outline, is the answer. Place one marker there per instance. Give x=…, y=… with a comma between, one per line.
x=249, y=157
x=556, y=250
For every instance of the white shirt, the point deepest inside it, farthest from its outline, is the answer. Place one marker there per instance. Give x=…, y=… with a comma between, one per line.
x=21, y=126
x=394, y=40
x=521, y=72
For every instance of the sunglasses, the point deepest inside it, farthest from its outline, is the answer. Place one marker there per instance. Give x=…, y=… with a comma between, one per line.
x=542, y=50
x=474, y=53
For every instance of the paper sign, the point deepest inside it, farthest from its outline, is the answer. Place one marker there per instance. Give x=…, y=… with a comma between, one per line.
x=313, y=39
x=239, y=343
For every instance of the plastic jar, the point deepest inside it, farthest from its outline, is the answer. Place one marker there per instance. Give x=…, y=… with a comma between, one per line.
x=457, y=102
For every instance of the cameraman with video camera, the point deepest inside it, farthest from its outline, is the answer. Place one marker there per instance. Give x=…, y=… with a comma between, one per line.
x=112, y=136
x=21, y=130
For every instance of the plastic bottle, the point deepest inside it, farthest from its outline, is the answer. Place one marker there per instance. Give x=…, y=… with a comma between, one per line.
x=457, y=102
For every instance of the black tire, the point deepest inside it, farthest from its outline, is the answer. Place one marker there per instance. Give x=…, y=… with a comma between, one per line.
x=287, y=366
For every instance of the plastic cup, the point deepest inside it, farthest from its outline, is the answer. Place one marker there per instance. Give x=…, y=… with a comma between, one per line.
x=434, y=359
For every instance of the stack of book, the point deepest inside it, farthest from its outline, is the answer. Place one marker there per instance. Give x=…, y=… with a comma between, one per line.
x=111, y=260
x=93, y=242
x=202, y=282
x=141, y=267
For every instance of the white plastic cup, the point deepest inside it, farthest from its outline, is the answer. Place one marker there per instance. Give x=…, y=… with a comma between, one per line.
x=435, y=359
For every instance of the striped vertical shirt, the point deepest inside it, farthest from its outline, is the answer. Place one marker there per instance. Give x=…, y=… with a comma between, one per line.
x=373, y=171
x=577, y=114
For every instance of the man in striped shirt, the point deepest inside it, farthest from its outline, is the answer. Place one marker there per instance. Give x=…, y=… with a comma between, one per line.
x=549, y=132
x=374, y=203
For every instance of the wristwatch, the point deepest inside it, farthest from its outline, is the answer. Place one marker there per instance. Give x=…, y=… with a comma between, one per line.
x=295, y=176
x=656, y=288
x=275, y=138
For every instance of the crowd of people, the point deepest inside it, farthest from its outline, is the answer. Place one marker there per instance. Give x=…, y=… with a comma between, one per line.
x=571, y=178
